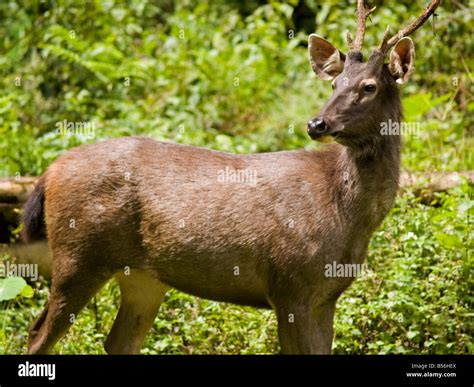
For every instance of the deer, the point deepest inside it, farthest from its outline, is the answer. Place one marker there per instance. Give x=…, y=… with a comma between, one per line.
x=157, y=215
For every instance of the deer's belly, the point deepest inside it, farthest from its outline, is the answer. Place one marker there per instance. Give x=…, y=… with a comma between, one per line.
x=229, y=276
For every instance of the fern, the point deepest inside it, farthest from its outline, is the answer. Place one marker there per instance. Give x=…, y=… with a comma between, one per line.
x=98, y=69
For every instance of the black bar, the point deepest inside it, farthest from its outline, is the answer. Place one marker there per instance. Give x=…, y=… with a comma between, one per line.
x=223, y=370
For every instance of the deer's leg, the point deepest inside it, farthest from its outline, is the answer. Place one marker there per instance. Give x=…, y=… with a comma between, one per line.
x=35, y=328
x=71, y=290
x=322, y=327
x=304, y=329
x=294, y=326
x=141, y=296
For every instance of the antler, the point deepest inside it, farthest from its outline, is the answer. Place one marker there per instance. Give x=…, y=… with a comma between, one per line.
x=362, y=14
x=389, y=43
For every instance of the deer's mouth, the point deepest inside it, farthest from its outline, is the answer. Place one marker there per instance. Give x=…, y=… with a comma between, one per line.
x=328, y=136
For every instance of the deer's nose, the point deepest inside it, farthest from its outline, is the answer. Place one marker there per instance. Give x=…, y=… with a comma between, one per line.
x=317, y=127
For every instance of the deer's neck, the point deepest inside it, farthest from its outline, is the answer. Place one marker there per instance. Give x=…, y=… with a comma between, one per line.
x=367, y=182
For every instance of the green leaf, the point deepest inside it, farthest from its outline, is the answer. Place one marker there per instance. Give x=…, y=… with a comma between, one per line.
x=27, y=292
x=465, y=205
x=11, y=287
x=448, y=241
x=412, y=334
x=417, y=105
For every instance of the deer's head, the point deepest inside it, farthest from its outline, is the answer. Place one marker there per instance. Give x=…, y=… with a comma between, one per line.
x=365, y=93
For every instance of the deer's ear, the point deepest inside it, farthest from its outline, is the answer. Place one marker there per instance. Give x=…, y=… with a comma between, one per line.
x=402, y=57
x=326, y=60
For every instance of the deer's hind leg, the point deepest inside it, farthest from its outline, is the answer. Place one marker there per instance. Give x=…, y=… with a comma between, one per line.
x=71, y=290
x=141, y=296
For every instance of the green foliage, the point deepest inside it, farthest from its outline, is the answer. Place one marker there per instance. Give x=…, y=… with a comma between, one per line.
x=196, y=76
x=234, y=76
x=12, y=287
x=417, y=296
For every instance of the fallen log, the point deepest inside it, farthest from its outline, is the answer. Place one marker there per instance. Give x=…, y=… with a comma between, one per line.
x=426, y=185
x=14, y=192
x=16, y=189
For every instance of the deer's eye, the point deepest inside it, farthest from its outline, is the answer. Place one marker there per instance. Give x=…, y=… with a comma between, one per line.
x=369, y=88
x=333, y=85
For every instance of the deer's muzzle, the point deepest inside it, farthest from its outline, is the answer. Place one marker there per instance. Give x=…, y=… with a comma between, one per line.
x=317, y=128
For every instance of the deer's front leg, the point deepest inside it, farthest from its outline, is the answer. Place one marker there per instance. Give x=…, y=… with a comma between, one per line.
x=322, y=331
x=305, y=329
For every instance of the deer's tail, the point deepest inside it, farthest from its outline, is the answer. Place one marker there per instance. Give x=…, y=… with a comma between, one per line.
x=33, y=214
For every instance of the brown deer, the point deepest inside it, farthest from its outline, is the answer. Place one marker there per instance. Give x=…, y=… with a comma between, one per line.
x=156, y=215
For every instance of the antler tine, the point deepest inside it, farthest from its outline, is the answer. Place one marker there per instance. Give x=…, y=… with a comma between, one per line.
x=362, y=14
x=389, y=43
x=383, y=45
x=350, y=42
